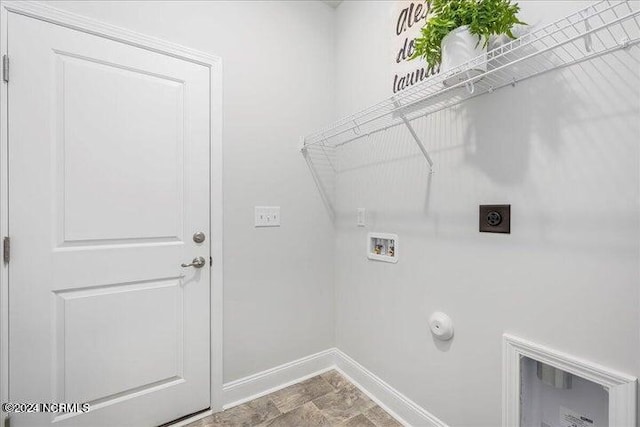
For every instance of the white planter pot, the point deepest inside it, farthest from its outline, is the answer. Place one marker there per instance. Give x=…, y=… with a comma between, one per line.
x=458, y=47
x=518, y=30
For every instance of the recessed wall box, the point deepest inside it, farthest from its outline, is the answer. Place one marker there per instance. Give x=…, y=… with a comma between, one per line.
x=544, y=387
x=556, y=397
x=382, y=247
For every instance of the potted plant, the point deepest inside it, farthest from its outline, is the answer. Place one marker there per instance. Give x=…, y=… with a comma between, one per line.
x=459, y=30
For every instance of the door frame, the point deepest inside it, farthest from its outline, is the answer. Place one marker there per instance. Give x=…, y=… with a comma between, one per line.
x=76, y=22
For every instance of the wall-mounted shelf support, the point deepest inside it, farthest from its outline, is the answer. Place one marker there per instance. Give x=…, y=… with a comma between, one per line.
x=599, y=29
x=587, y=29
x=588, y=33
x=325, y=192
x=416, y=138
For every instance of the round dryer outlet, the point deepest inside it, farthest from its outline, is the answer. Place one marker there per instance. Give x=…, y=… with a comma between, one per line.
x=441, y=326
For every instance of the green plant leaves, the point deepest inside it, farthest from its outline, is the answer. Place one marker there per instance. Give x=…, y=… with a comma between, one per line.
x=483, y=17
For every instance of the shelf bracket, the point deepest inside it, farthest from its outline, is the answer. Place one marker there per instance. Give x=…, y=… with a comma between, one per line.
x=324, y=194
x=588, y=42
x=416, y=138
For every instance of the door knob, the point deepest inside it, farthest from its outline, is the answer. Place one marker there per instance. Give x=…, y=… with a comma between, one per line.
x=198, y=262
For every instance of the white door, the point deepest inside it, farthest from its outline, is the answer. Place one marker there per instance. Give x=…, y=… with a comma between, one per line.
x=109, y=181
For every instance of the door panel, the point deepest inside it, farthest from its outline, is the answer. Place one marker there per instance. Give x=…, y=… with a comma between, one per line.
x=132, y=153
x=109, y=179
x=151, y=344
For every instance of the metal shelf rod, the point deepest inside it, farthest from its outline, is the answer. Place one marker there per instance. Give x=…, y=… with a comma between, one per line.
x=492, y=88
x=581, y=23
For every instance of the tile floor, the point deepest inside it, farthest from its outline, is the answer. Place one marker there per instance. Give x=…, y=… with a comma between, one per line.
x=326, y=400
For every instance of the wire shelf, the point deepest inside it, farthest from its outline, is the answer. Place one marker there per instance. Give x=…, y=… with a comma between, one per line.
x=596, y=30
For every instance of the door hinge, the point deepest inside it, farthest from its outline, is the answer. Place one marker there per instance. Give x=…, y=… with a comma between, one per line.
x=5, y=68
x=6, y=249
x=210, y=261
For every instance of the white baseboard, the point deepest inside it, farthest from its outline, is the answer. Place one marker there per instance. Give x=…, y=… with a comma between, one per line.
x=265, y=382
x=391, y=400
x=395, y=403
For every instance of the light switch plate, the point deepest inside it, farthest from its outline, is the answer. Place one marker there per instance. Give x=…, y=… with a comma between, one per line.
x=267, y=216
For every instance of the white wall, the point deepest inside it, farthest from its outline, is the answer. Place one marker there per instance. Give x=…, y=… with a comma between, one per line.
x=278, y=81
x=562, y=149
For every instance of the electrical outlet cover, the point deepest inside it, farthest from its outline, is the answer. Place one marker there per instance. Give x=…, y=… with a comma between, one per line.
x=495, y=219
x=361, y=220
